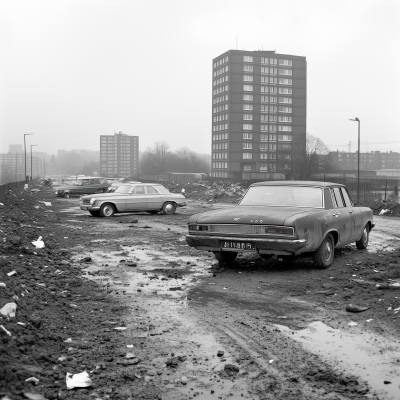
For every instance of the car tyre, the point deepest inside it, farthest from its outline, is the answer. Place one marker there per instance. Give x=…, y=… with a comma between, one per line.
x=363, y=242
x=107, y=210
x=323, y=256
x=95, y=213
x=169, y=208
x=227, y=257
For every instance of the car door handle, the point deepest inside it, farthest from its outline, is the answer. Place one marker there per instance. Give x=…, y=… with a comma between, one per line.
x=350, y=212
x=335, y=215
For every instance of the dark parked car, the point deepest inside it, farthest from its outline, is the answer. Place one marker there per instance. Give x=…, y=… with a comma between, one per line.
x=80, y=186
x=129, y=197
x=284, y=218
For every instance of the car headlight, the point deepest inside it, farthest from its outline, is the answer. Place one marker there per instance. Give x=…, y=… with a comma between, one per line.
x=92, y=200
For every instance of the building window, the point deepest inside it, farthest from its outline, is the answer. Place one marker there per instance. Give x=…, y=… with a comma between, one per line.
x=285, y=81
x=273, y=118
x=247, y=156
x=273, y=90
x=264, y=137
x=264, y=128
x=264, y=99
x=285, y=62
x=264, y=118
x=247, y=97
x=284, y=118
x=272, y=128
x=284, y=128
x=283, y=90
x=273, y=61
x=248, y=117
x=285, y=109
x=247, y=127
x=284, y=71
x=286, y=100
x=248, y=88
x=273, y=71
x=273, y=99
x=264, y=60
x=248, y=78
x=284, y=146
x=247, y=146
x=248, y=58
x=264, y=146
x=248, y=68
x=264, y=108
x=248, y=136
x=264, y=70
x=247, y=107
x=273, y=80
x=272, y=109
x=264, y=89
x=285, y=138
x=263, y=167
x=247, y=167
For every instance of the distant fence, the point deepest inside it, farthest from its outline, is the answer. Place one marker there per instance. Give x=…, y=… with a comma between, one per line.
x=371, y=189
x=10, y=186
x=173, y=178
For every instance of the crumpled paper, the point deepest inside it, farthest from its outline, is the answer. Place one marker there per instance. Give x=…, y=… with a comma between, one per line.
x=78, y=380
x=9, y=310
x=38, y=243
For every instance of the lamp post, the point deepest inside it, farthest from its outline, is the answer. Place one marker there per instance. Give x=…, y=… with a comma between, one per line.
x=31, y=158
x=25, y=134
x=358, y=160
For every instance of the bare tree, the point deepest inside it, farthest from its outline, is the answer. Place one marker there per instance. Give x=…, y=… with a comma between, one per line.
x=161, y=155
x=316, y=157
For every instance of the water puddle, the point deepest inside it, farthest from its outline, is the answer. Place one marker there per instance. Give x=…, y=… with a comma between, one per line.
x=373, y=358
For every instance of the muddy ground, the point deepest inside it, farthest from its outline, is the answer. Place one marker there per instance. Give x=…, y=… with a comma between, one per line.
x=126, y=300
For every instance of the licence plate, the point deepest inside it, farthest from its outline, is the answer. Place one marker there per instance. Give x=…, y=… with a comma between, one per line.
x=238, y=245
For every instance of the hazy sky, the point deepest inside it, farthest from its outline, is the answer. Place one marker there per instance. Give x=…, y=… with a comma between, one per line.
x=73, y=70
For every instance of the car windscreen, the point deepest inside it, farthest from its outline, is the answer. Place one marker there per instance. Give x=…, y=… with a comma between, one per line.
x=283, y=196
x=123, y=189
x=162, y=189
x=77, y=183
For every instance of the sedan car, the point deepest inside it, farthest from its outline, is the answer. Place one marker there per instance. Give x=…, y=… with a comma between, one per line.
x=129, y=197
x=284, y=218
x=85, y=185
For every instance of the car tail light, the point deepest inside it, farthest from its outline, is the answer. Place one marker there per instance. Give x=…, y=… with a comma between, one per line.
x=198, y=227
x=279, y=230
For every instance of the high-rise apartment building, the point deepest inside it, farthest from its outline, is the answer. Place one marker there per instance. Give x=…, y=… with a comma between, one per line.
x=258, y=115
x=119, y=155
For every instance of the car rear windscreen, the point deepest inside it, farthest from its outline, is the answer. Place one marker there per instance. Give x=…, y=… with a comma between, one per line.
x=283, y=196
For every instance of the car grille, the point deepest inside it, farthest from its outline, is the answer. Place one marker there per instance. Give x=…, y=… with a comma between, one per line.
x=85, y=201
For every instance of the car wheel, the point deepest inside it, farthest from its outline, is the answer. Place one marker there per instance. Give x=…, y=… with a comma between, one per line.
x=62, y=193
x=227, y=257
x=323, y=256
x=107, y=210
x=100, y=191
x=94, y=213
x=169, y=208
x=363, y=242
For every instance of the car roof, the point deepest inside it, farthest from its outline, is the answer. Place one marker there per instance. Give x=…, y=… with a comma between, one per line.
x=89, y=177
x=296, y=183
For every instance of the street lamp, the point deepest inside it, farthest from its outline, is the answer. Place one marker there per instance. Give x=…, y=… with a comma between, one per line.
x=31, y=158
x=25, y=134
x=358, y=160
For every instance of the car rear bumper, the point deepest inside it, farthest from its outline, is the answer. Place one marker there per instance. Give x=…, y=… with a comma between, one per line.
x=261, y=246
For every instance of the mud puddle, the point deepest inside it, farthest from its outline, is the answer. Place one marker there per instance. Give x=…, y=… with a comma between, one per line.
x=165, y=299
x=374, y=358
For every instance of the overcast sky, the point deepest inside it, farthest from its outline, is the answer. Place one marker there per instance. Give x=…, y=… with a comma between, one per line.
x=73, y=70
